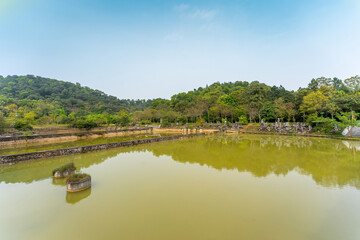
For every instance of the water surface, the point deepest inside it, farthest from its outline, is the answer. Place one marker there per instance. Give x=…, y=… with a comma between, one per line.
x=213, y=187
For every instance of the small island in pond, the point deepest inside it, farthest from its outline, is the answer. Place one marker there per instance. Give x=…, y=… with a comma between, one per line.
x=64, y=171
x=78, y=182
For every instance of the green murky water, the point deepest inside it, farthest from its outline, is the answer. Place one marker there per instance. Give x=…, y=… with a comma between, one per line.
x=213, y=187
x=33, y=147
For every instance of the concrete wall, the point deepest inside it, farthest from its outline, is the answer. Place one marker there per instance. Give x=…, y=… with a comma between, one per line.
x=15, y=158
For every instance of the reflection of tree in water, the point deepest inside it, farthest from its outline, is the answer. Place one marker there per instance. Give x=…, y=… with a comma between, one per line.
x=279, y=142
x=329, y=162
x=27, y=172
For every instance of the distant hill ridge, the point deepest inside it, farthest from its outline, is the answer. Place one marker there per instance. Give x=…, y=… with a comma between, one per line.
x=72, y=97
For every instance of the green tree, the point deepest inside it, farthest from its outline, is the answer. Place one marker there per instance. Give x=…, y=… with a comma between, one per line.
x=256, y=95
x=22, y=125
x=124, y=119
x=268, y=111
x=30, y=117
x=332, y=108
x=280, y=108
x=3, y=124
x=314, y=102
x=353, y=83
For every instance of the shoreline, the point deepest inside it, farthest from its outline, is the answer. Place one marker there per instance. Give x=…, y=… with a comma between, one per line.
x=22, y=157
x=298, y=135
x=64, y=137
x=29, y=156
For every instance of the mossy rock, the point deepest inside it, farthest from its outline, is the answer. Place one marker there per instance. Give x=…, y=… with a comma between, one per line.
x=64, y=171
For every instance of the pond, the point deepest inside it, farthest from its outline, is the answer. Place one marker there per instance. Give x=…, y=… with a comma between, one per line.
x=213, y=187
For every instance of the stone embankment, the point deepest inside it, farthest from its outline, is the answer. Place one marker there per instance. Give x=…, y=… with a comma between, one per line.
x=33, y=137
x=16, y=158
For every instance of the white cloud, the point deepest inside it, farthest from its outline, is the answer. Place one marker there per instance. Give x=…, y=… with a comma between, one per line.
x=204, y=14
x=181, y=7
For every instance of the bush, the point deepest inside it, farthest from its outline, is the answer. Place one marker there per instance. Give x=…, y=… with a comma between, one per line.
x=165, y=124
x=311, y=118
x=123, y=119
x=181, y=119
x=324, y=124
x=348, y=119
x=243, y=120
x=84, y=124
x=200, y=122
x=3, y=124
x=22, y=125
x=145, y=122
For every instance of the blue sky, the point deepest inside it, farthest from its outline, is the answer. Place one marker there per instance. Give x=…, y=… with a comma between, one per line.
x=148, y=49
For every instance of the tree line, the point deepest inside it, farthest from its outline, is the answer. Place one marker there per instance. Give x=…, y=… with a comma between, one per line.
x=324, y=102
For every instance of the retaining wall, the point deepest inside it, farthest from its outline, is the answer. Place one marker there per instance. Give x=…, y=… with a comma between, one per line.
x=15, y=158
x=31, y=137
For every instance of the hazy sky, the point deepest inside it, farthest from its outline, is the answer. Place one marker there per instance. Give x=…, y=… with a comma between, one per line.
x=148, y=49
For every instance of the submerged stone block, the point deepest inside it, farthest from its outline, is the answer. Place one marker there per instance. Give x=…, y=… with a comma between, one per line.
x=78, y=182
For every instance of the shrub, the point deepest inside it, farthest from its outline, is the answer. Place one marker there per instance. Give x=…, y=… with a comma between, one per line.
x=145, y=122
x=3, y=124
x=348, y=119
x=123, y=119
x=243, y=120
x=165, y=124
x=181, y=119
x=200, y=122
x=324, y=124
x=22, y=125
x=311, y=118
x=84, y=124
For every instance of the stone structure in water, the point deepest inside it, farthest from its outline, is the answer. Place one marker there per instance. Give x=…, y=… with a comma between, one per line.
x=64, y=171
x=78, y=182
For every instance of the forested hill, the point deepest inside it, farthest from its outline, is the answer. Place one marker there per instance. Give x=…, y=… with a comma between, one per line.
x=38, y=100
x=31, y=91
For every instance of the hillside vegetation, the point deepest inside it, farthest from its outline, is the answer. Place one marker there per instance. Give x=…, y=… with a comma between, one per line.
x=37, y=100
x=30, y=91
